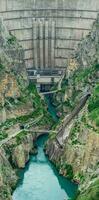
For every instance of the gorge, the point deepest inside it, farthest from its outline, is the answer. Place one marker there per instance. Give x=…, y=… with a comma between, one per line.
x=40, y=180
x=63, y=39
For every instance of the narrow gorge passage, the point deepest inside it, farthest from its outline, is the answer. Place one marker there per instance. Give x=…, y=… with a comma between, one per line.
x=41, y=181
x=51, y=107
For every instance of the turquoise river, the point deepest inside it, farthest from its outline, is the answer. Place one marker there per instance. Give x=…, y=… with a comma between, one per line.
x=41, y=181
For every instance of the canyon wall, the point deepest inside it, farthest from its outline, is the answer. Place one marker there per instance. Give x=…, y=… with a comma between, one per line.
x=75, y=149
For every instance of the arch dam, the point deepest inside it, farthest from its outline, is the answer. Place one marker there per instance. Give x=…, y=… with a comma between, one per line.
x=49, y=31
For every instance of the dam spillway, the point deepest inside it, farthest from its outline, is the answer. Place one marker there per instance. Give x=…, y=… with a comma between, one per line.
x=49, y=31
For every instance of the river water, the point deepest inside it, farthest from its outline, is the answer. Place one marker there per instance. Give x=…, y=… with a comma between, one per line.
x=40, y=180
x=51, y=108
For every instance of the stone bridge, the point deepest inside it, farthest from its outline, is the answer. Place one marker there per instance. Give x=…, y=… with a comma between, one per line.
x=49, y=31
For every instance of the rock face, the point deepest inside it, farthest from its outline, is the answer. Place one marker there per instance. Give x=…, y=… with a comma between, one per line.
x=13, y=76
x=20, y=154
x=19, y=103
x=8, y=177
x=17, y=151
x=21, y=107
x=75, y=149
x=14, y=155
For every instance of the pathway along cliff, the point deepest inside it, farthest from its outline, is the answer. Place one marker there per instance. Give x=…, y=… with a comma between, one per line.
x=41, y=181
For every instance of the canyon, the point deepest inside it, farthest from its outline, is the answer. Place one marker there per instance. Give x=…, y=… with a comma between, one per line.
x=73, y=120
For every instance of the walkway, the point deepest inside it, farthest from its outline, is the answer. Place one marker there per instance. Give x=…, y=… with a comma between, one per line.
x=50, y=92
x=13, y=135
x=27, y=130
x=16, y=130
x=59, y=87
x=9, y=138
x=35, y=121
x=40, y=130
x=62, y=133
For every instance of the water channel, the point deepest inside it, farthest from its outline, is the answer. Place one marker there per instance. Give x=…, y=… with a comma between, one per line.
x=40, y=180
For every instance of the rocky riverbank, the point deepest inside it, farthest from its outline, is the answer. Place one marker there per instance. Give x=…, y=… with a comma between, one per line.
x=13, y=155
x=75, y=149
x=20, y=105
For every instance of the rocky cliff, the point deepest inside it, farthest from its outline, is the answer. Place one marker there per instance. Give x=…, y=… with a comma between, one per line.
x=7, y=177
x=75, y=148
x=13, y=155
x=13, y=77
x=20, y=106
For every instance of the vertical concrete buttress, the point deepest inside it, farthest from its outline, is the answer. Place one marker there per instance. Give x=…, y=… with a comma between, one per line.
x=35, y=43
x=52, y=44
x=46, y=44
x=41, y=38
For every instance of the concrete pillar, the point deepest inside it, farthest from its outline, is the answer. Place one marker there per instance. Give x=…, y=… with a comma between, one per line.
x=35, y=43
x=52, y=44
x=46, y=44
x=41, y=46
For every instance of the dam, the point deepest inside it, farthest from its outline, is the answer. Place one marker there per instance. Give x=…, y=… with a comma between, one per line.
x=49, y=31
x=49, y=111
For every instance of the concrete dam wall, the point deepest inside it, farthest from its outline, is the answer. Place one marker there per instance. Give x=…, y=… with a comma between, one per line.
x=49, y=30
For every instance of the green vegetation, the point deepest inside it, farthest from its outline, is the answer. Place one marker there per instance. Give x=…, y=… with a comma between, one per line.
x=74, y=132
x=65, y=169
x=94, y=101
x=79, y=177
x=79, y=83
x=3, y=135
x=93, y=106
x=20, y=137
x=68, y=103
x=11, y=39
x=92, y=193
x=64, y=82
x=52, y=136
x=21, y=119
x=37, y=102
x=69, y=170
x=83, y=75
x=79, y=80
x=32, y=89
x=38, y=107
x=1, y=66
x=46, y=120
x=5, y=192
